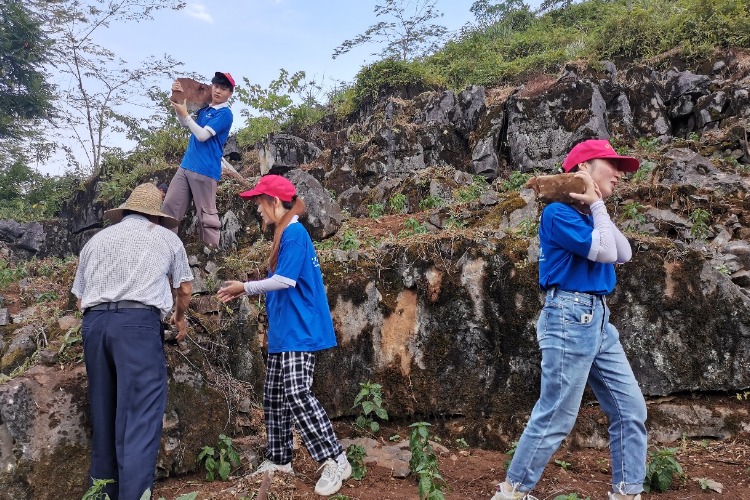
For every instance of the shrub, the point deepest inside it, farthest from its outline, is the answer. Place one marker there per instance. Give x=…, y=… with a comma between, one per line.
x=423, y=462
x=661, y=469
x=356, y=453
x=370, y=402
x=219, y=461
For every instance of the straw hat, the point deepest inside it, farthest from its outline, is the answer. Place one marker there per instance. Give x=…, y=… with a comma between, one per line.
x=145, y=199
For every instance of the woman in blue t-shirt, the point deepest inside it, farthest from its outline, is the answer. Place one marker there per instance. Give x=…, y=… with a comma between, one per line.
x=299, y=324
x=579, y=247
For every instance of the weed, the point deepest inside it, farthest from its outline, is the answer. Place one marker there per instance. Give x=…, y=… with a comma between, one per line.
x=349, y=240
x=430, y=202
x=700, y=219
x=370, y=401
x=516, y=181
x=570, y=496
x=527, y=227
x=356, y=454
x=47, y=297
x=394, y=438
x=650, y=145
x=632, y=214
x=471, y=191
x=461, y=443
x=643, y=171
x=375, y=210
x=398, y=203
x=563, y=464
x=454, y=222
x=10, y=274
x=413, y=226
x=95, y=491
x=510, y=453
x=339, y=496
x=661, y=469
x=220, y=460
x=424, y=464
x=743, y=396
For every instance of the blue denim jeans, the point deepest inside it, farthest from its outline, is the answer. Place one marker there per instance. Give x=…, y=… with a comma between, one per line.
x=579, y=345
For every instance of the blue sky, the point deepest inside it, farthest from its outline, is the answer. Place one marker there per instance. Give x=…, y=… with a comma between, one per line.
x=256, y=38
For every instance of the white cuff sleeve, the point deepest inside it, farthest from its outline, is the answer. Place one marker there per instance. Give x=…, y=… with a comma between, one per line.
x=603, y=250
x=200, y=133
x=267, y=285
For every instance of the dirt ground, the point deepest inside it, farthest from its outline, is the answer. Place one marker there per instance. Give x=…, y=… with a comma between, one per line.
x=472, y=473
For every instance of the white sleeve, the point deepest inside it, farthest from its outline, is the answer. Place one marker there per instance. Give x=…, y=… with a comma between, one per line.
x=200, y=133
x=603, y=244
x=624, y=252
x=271, y=284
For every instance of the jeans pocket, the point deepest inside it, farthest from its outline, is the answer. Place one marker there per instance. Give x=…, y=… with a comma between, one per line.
x=210, y=218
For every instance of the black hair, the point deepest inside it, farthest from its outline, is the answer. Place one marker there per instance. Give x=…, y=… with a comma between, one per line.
x=222, y=81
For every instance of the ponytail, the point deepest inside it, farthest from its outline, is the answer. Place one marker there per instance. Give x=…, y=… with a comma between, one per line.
x=294, y=207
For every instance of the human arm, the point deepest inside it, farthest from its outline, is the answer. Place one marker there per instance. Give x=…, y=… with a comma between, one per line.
x=603, y=244
x=624, y=252
x=233, y=289
x=181, y=302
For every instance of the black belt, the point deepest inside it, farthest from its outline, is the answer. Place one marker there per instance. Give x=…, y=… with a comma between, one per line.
x=123, y=304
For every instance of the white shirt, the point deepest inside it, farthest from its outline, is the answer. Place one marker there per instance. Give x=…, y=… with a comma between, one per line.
x=134, y=259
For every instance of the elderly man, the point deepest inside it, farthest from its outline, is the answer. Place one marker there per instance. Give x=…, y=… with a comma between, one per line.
x=123, y=288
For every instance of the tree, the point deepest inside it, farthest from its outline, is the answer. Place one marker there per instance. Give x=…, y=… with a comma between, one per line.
x=25, y=95
x=487, y=12
x=408, y=31
x=95, y=84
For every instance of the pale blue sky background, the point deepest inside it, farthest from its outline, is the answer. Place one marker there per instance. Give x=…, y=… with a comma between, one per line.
x=256, y=38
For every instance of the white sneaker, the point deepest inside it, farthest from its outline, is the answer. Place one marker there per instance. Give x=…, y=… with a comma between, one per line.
x=268, y=466
x=335, y=472
x=501, y=494
x=611, y=496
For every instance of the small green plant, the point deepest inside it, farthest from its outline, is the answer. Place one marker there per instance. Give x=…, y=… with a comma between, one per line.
x=510, y=453
x=430, y=202
x=394, y=438
x=461, y=443
x=643, y=171
x=570, y=496
x=375, y=210
x=661, y=469
x=563, y=464
x=528, y=227
x=516, y=181
x=650, y=145
x=413, y=226
x=454, y=223
x=95, y=492
x=349, y=240
x=398, y=203
x=693, y=137
x=10, y=274
x=356, y=454
x=424, y=464
x=632, y=214
x=339, y=496
x=472, y=191
x=47, y=297
x=370, y=401
x=219, y=460
x=700, y=219
x=743, y=396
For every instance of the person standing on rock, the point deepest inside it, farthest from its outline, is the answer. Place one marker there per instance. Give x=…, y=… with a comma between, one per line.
x=299, y=325
x=123, y=288
x=579, y=247
x=200, y=170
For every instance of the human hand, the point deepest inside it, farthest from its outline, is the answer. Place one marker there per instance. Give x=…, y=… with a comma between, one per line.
x=230, y=291
x=176, y=86
x=181, y=325
x=180, y=108
x=592, y=193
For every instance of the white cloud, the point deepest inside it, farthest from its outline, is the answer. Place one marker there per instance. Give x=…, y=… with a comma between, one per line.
x=199, y=11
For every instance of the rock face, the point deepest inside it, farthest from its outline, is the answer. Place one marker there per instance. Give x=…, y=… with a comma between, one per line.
x=441, y=310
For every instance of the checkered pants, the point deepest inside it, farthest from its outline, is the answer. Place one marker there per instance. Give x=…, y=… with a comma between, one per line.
x=288, y=398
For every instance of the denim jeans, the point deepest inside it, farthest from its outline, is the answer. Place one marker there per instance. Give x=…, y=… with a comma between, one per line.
x=579, y=345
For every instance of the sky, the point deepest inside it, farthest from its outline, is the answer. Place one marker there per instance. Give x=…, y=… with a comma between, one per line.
x=254, y=39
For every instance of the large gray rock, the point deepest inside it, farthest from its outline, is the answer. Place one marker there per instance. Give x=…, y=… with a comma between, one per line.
x=283, y=151
x=686, y=167
x=322, y=215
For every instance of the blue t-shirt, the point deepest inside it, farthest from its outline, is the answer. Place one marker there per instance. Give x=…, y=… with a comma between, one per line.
x=205, y=157
x=565, y=241
x=299, y=318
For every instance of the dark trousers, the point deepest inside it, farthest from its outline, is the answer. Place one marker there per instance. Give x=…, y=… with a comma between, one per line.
x=127, y=375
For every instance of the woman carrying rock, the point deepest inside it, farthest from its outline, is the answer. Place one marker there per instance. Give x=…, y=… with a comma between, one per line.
x=579, y=247
x=299, y=324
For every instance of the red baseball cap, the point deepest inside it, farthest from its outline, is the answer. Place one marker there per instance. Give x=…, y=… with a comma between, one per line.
x=272, y=185
x=221, y=78
x=598, y=148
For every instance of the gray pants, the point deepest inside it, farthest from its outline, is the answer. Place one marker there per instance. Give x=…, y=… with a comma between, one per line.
x=187, y=185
